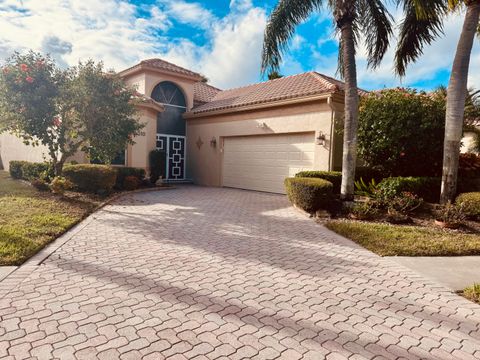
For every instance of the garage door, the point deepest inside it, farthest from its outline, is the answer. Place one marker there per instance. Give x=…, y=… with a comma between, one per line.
x=263, y=162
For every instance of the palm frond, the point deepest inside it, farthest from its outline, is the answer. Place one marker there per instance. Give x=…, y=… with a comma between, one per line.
x=376, y=24
x=423, y=22
x=281, y=27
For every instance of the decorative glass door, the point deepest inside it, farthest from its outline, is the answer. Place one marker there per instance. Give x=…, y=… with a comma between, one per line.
x=174, y=147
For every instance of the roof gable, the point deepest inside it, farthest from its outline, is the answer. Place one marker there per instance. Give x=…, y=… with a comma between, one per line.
x=164, y=66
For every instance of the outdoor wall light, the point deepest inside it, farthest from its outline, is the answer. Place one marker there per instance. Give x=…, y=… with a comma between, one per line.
x=213, y=142
x=321, y=138
x=262, y=125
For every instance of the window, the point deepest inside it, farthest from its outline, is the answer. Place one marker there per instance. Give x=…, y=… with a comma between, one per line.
x=171, y=120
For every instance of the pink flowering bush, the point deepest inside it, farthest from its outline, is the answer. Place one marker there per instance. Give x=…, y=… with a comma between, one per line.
x=81, y=108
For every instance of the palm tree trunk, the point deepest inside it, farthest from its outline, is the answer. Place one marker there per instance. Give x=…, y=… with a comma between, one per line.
x=351, y=111
x=456, y=95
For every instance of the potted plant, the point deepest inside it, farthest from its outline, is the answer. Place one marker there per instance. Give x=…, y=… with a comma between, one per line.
x=449, y=216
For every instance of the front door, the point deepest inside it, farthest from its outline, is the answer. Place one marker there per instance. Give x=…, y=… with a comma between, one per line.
x=174, y=146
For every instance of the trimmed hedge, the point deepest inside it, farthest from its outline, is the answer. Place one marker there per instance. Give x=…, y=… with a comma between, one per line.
x=471, y=203
x=30, y=170
x=427, y=188
x=91, y=178
x=124, y=172
x=335, y=177
x=309, y=194
x=15, y=169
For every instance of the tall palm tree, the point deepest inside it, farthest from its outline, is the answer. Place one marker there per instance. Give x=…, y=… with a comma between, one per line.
x=408, y=50
x=352, y=18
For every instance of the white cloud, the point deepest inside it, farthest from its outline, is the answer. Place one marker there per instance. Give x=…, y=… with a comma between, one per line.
x=189, y=13
x=121, y=33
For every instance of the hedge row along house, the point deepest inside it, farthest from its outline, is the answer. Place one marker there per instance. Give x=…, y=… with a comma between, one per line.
x=251, y=137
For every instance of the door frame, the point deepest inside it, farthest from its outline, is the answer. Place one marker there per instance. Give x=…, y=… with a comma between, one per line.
x=167, y=150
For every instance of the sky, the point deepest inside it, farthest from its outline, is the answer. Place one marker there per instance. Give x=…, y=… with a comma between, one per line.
x=221, y=39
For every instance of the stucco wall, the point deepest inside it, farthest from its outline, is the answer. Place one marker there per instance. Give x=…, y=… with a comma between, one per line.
x=204, y=164
x=137, y=154
x=146, y=81
x=12, y=148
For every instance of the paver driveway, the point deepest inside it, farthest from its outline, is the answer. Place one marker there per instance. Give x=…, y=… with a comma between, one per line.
x=204, y=273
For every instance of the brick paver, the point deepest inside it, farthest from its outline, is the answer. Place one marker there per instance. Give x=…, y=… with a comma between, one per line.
x=205, y=273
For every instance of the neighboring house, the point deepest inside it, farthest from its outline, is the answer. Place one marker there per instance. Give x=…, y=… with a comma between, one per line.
x=250, y=137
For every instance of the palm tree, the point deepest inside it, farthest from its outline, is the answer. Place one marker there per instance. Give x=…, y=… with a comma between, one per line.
x=352, y=18
x=414, y=35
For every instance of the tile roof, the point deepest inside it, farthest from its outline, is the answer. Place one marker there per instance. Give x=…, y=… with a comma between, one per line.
x=165, y=66
x=290, y=87
x=203, y=93
x=146, y=100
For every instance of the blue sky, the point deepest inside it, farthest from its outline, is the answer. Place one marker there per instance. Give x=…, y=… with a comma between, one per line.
x=221, y=39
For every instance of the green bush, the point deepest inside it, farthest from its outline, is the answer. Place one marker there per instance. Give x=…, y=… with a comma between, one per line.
x=40, y=184
x=157, y=160
x=30, y=170
x=91, y=178
x=15, y=169
x=309, y=194
x=427, y=188
x=470, y=203
x=402, y=131
x=368, y=174
x=60, y=184
x=335, y=177
x=124, y=172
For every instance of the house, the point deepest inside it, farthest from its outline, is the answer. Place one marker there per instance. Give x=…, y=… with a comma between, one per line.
x=250, y=137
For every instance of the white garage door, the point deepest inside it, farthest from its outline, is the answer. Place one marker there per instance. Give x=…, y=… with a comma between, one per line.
x=263, y=162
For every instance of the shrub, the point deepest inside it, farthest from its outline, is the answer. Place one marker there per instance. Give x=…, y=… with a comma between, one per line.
x=335, y=177
x=402, y=131
x=15, y=169
x=369, y=189
x=470, y=203
x=366, y=210
x=426, y=187
x=30, y=170
x=91, y=178
x=40, y=184
x=469, y=165
x=405, y=203
x=450, y=214
x=60, y=184
x=131, y=183
x=309, y=194
x=465, y=184
x=368, y=174
x=124, y=172
x=157, y=160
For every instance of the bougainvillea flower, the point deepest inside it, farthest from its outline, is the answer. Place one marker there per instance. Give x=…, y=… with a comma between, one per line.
x=24, y=67
x=29, y=79
x=56, y=121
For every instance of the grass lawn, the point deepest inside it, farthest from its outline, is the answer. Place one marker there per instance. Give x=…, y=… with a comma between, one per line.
x=472, y=293
x=30, y=219
x=401, y=240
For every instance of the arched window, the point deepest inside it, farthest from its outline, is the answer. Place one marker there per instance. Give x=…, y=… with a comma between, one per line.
x=171, y=96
